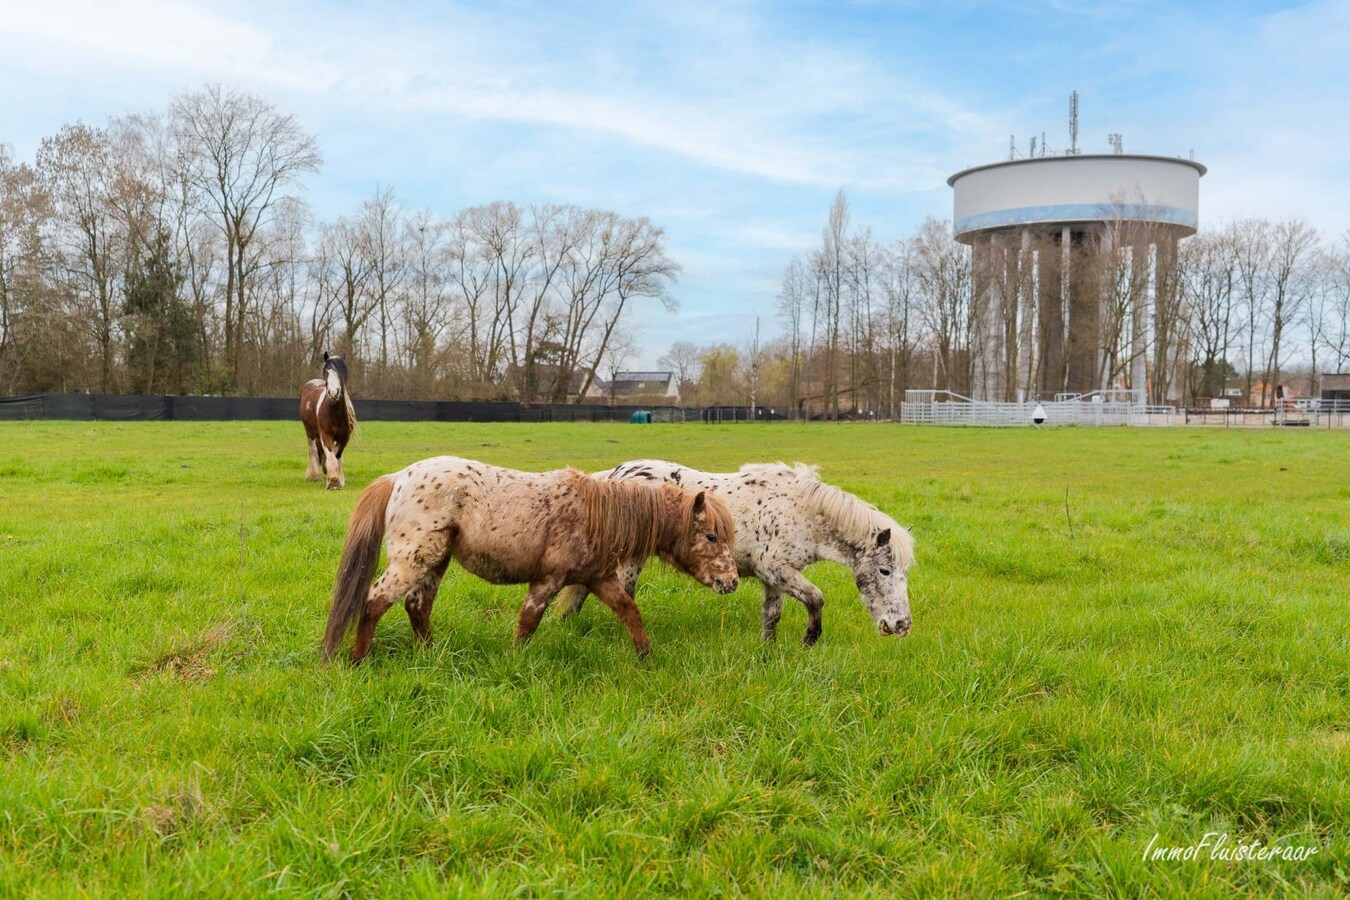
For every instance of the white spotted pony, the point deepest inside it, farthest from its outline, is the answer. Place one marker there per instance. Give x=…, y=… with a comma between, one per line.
x=787, y=518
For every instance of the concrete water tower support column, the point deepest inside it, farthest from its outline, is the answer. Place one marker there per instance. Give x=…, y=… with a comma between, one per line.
x=1060, y=211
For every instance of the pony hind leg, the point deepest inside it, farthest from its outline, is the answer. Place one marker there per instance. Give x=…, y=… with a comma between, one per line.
x=420, y=600
x=536, y=604
x=399, y=578
x=573, y=597
x=432, y=556
x=772, y=612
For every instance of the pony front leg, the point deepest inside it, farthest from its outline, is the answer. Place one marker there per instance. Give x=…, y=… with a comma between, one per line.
x=574, y=595
x=333, y=464
x=315, y=470
x=535, y=605
x=792, y=582
x=612, y=594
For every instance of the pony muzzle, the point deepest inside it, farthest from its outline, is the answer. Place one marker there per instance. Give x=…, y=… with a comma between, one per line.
x=726, y=585
x=897, y=627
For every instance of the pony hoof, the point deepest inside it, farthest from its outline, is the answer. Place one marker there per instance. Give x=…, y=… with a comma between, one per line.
x=334, y=486
x=811, y=638
x=769, y=637
x=644, y=652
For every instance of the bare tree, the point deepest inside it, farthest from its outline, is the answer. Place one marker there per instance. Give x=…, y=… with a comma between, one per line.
x=830, y=263
x=793, y=300
x=381, y=221
x=76, y=166
x=640, y=271
x=1292, y=242
x=901, y=322
x=1209, y=278
x=1330, y=318
x=242, y=155
x=943, y=274
x=1251, y=247
x=343, y=271
x=684, y=358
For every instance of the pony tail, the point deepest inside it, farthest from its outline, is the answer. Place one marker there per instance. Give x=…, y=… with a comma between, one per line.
x=360, y=556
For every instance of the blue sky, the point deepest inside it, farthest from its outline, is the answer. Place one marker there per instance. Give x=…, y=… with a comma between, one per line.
x=731, y=125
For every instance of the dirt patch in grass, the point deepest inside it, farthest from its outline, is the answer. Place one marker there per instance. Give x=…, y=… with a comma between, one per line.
x=191, y=661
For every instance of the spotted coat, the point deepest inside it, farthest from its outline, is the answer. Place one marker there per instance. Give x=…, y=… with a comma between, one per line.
x=787, y=519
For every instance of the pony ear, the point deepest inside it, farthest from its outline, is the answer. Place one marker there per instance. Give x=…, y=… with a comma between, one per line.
x=325, y=356
x=699, y=503
x=884, y=538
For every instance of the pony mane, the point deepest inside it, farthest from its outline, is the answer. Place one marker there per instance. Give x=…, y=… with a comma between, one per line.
x=626, y=519
x=856, y=519
x=719, y=514
x=351, y=412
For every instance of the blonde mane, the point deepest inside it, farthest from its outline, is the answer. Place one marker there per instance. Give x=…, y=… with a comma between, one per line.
x=626, y=519
x=856, y=519
x=351, y=412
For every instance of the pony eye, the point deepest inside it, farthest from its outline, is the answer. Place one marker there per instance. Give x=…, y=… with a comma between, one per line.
x=884, y=571
x=712, y=538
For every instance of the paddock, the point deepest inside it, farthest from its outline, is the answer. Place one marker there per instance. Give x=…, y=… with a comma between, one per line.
x=1122, y=639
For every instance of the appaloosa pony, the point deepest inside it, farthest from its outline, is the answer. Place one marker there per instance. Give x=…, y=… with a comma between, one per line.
x=786, y=519
x=329, y=420
x=549, y=529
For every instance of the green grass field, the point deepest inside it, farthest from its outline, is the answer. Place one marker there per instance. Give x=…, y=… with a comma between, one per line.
x=1170, y=658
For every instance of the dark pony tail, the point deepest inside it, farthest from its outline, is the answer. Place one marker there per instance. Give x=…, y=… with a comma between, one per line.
x=360, y=556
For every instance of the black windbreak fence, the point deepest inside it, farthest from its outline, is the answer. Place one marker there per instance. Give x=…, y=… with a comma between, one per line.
x=136, y=407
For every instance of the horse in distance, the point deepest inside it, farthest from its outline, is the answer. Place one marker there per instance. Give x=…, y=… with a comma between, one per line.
x=329, y=420
x=544, y=529
x=786, y=519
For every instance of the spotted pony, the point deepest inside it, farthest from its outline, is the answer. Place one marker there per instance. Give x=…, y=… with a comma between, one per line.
x=787, y=518
x=544, y=529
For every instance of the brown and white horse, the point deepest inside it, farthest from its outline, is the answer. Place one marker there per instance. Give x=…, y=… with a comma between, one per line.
x=546, y=529
x=329, y=420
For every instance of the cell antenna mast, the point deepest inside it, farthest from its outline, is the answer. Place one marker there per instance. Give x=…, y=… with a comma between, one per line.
x=1033, y=146
x=1073, y=124
x=1012, y=146
x=1116, y=146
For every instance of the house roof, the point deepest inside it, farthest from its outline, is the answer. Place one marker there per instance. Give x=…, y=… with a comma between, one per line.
x=641, y=383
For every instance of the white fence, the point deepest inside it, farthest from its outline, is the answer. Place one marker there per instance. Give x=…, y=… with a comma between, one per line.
x=1098, y=408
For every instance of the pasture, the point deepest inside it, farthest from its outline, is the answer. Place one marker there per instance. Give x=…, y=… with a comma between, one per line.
x=1169, y=656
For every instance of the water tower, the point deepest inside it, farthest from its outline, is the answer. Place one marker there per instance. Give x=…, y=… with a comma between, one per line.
x=1075, y=254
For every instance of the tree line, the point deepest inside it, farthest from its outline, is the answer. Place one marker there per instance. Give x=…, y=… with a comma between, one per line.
x=175, y=253
x=1241, y=307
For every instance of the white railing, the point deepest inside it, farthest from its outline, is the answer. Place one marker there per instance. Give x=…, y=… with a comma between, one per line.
x=1099, y=408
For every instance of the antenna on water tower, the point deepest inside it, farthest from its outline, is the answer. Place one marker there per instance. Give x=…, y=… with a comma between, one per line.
x=1116, y=146
x=1073, y=124
x=1033, y=146
x=1012, y=146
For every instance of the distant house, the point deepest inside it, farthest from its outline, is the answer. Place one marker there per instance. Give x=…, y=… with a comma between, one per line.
x=643, y=387
x=1336, y=386
x=546, y=380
